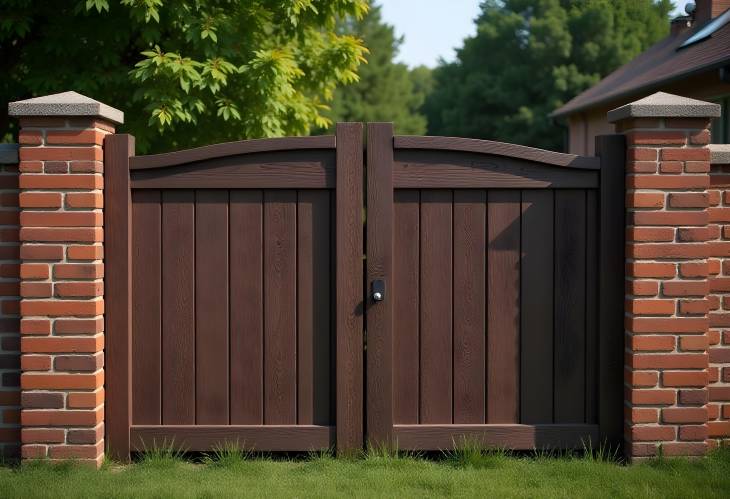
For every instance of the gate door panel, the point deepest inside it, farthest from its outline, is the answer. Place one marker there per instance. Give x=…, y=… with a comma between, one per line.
x=244, y=296
x=490, y=329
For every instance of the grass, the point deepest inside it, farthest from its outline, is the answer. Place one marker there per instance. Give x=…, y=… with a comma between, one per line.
x=467, y=472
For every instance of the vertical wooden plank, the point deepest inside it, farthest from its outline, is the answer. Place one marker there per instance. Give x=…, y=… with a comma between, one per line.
x=503, y=306
x=612, y=151
x=247, y=307
x=147, y=307
x=436, y=280
x=470, y=251
x=178, y=307
x=118, y=293
x=313, y=314
x=280, y=307
x=380, y=266
x=536, y=310
x=591, y=291
x=570, y=302
x=406, y=259
x=349, y=287
x=211, y=307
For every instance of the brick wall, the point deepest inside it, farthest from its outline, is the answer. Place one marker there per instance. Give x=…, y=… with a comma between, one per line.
x=62, y=306
x=666, y=373
x=719, y=304
x=9, y=313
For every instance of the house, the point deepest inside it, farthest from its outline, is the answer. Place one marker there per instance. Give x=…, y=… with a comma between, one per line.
x=693, y=61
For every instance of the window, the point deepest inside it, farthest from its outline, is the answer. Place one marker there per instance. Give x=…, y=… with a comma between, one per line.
x=721, y=125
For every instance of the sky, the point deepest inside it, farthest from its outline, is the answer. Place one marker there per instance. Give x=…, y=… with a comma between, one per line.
x=433, y=28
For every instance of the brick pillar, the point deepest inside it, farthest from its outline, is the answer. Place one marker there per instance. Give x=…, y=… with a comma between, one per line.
x=61, y=275
x=667, y=288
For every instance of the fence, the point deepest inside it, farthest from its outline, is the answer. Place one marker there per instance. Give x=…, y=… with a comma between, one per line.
x=489, y=304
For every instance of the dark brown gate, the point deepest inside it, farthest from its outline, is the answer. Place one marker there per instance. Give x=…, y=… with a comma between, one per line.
x=235, y=294
x=501, y=268
x=234, y=289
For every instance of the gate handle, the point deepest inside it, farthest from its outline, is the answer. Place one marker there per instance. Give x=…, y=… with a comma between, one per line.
x=378, y=290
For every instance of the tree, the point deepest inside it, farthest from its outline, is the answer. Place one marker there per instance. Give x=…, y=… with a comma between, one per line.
x=386, y=91
x=185, y=72
x=529, y=57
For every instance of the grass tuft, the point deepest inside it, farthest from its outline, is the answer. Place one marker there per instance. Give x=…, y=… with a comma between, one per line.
x=164, y=455
x=227, y=455
x=471, y=453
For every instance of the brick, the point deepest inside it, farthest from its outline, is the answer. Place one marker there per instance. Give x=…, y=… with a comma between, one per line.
x=652, y=397
x=40, y=200
x=34, y=451
x=688, y=123
x=42, y=435
x=42, y=400
x=668, y=218
x=78, y=362
x=656, y=137
x=693, y=397
x=41, y=252
x=719, y=393
x=688, y=433
x=30, y=137
x=666, y=250
x=76, y=451
x=685, y=154
x=651, y=307
x=657, y=234
x=79, y=289
x=61, y=181
x=656, y=270
x=719, y=249
x=689, y=200
x=78, y=271
x=86, y=436
x=693, y=343
x=640, y=181
x=694, y=234
x=667, y=325
x=719, y=214
x=30, y=167
x=642, y=378
x=642, y=154
x=55, y=167
x=641, y=167
x=670, y=167
x=62, y=308
x=642, y=288
x=719, y=355
x=643, y=415
x=694, y=269
x=34, y=381
x=653, y=343
x=87, y=167
x=61, y=417
x=684, y=378
x=643, y=450
x=35, y=362
x=648, y=433
x=685, y=288
x=35, y=326
x=55, y=234
x=645, y=199
x=34, y=271
x=84, y=200
x=697, y=167
x=61, y=219
x=719, y=429
x=64, y=344
x=91, y=137
x=64, y=154
x=682, y=415
x=700, y=137
x=669, y=361
x=719, y=284
x=719, y=319
x=86, y=252
x=78, y=326
x=85, y=400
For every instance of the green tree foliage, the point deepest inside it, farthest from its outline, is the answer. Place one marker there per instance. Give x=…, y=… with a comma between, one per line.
x=185, y=72
x=529, y=57
x=386, y=91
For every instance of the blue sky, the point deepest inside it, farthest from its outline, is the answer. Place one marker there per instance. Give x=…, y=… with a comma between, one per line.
x=432, y=28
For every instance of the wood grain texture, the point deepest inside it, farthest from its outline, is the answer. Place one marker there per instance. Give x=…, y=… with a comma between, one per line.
x=280, y=307
x=247, y=307
x=379, y=398
x=211, y=307
x=512, y=436
x=470, y=257
x=147, y=307
x=118, y=293
x=591, y=291
x=276, y=170
x=178, y=307
x=286, y=144
x=446, y=170
x=570, y=306
x=349, y=362
x=436, y=281
x=313, y=313
x=459, y=144
x=282, y=438
x=536, y=317
x=612, y=151
x=406, y=294
x=503, y=306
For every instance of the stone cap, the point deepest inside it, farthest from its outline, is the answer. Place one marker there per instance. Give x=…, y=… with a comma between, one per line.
x=664, y=105
x=720, y=154
x=65, y=104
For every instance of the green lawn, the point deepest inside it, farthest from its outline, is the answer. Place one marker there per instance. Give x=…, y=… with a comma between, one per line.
x=466, y=474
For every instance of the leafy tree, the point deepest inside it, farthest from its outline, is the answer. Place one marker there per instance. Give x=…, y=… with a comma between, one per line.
x=185, y=72
x=386, y=91
x=529, y=57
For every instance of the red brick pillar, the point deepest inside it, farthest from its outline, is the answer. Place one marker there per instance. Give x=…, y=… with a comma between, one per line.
x=667, y=288
x=61, y=275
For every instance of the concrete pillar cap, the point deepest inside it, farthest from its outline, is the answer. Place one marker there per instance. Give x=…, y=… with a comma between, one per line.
x=67, y=104
x=664, y=105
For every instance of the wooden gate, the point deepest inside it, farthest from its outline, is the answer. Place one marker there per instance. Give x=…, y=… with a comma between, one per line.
x=233, y=291
x=496, y=282
x=235, y=294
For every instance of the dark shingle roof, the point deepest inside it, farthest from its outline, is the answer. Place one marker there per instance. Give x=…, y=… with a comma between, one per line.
x=660, y=64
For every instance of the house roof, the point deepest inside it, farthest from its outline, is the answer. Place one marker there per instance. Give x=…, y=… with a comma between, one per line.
x=660, y=64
